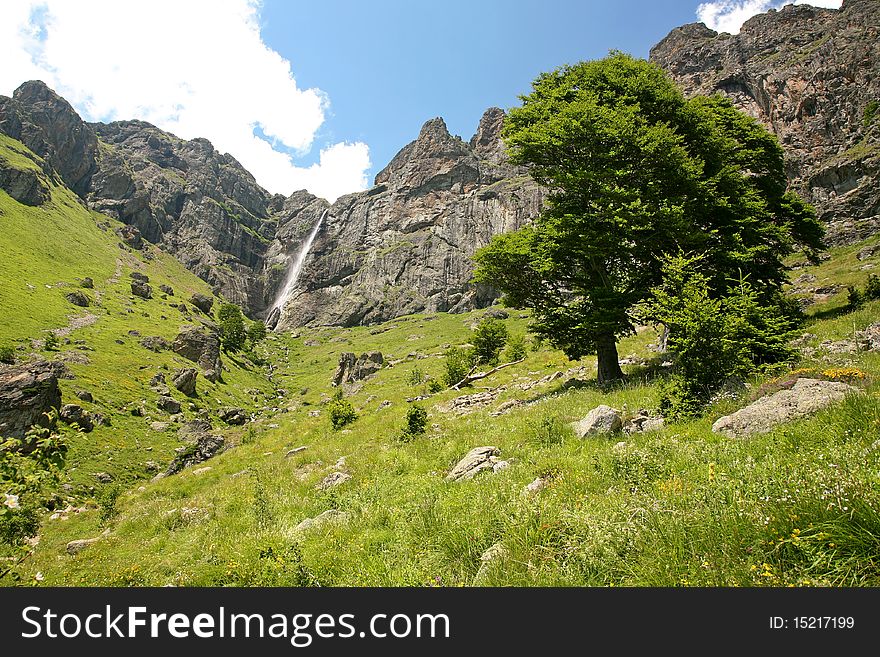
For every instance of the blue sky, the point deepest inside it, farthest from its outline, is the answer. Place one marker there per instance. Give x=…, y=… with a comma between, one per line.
x=320, y=95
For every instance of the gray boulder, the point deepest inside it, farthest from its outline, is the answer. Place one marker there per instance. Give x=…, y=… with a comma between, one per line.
x=27, y=393
x=87, y=283
x=202, y=302
x=73, y=414
x=602, y=420
x=205, y=447
x=141, y=289
x=234, y=416
x=185, y=381
x=806, y=397
x=168, y=404
x=351, y=368
x=155, y=343
x=138, y=276
x=202, y=348
x=475, y=461
x=330, y=516
x=77, y=298
x=167, y=289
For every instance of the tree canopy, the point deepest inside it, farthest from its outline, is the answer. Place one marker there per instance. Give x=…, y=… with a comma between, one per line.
x=635, y=172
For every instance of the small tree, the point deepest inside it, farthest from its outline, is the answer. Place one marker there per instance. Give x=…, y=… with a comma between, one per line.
x=416, y=421
x=51, y=343
x=489, y=339
x=459, y=362
x=516, y=347
x=233, y=333
x=256, y=332
x=341, y=411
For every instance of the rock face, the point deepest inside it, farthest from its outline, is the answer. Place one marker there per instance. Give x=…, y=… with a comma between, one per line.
x=205, y=447
x=200, y=347
x=185, y=381
x=601, y=420
x=27, y=392
x=24, y=185
x=811, y=76
x=805, y=398
x=405, y=245
x=352, y=368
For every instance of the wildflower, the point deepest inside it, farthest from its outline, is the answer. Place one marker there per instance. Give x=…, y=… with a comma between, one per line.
x=11, y=501
x=711, y=472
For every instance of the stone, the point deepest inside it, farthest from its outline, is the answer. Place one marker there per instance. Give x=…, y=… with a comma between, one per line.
x=194, y=429
x=643, y=422
x=87, y=283
x=185, y=380
x=202, y=348
x=496, y=313
x=536, y=486
x=806, y=397
x=130, y=236
x=331, y=516
x=77, y=298
x=295, y=450
x=351, y=368
x=205, y=447
x=77, y=546
x=868, y=252
x=333, y=480
x=141, y=289
x=28, y=392
x=159, y=426
x=104, y=477
x=602, y=420
x=138, y=276
x=202, y=302
x=167, y=289
x=168, y=404
x=493, y=553
x=474, y=462
x=155, y=343
x=234, y=416
x=27, y=186
x=85, y=395
x=73, y=414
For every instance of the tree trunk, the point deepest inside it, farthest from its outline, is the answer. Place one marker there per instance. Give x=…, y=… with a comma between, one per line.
x=606, y=353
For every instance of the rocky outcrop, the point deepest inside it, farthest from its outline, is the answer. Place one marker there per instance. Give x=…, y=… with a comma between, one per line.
x=77, y=298
x=353, y=368
x=76, y=415
x=26, y=186
x=200, y=347
x=806, y=397
x=406, y=245
x=185, y=381
x=812, y=76
x=27, y=393
x=474, y=462
x=205, y=446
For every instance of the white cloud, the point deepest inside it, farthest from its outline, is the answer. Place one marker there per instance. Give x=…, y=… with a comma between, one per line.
x=729, y=15
x=194, y=68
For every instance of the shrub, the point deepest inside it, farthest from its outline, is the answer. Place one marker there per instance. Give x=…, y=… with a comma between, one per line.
x=415, y=377
x=459, y=362
x=7, y=354
x=416, y=420
x=106, y=499
x=516, y=347
x=855, y=297
x=341, y=411
x=435, y=386
x=256, y=332
x=489, y=339
x=51, y=343
x=233, y=333
x=872, y=287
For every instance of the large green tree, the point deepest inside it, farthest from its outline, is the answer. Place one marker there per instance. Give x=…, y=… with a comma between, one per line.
x=635, y=172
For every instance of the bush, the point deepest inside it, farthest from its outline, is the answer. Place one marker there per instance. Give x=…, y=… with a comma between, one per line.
x=51, y=343
x=516, y=348
x=256, y=333
x=415, y=377
x=435, y=386
x=713, y=339
x=872, y=287
x=855, y=297
x=489, y=339
x=233, y=333
x=106, y=499
x=341, y=412
x=7, y=354
x=459, y=362
x=416, y=420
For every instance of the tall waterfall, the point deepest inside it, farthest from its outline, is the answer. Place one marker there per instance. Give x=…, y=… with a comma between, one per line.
x=293, y=273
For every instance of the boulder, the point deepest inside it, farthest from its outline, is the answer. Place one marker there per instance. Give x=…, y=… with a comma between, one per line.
x=168, y=404
x=234, y=416
x=185, y=381
x=130, y=236
x=202, y=302
x=806, y=397
x=27, y=393
x=333, y=480
x=26, y=186
x=642, y=422
x=155, y=343
x=87, y=283
x=141, y=289
x=167, y=289
x=205, y=447
x=351, y=368
x=474, y=462
x=200, y=347
x=328, y=517
x=85, y=396
x=74, y=547
x=73, y=414
x=602, y=420
x=138, y=276
x=77, y=298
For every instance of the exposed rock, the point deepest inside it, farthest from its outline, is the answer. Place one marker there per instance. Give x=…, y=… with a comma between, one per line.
x=602, y=420
x=474, y=462
x=155, y=343
x=27, y=393
x=194, y=429
x=808, y=74
x=130, y=236
x=77, y=298
x=806, y=397
x=496, y=313
x=470, y=403
x=643, y=422
x=202, y=348
x=160, y=426
x=104, y=477
x=205, y=447
x=331, y=516
x=27, y=186
x=295, y=450
x=167, y=289
x=333, y=480
x=141, y=289
x=535, y=486
x=77, y=546
x=85, y=395
x=87, y=283
x=868, y=252
x=138, y=276
x=493, y=553
x=234, y=416
x=73, y=414
x=185, y=381
x=168, y=404
x=202, y=302
x=352, y=369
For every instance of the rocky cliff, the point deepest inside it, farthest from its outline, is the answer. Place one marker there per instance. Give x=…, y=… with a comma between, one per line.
x=405, y=245
x=812, y=76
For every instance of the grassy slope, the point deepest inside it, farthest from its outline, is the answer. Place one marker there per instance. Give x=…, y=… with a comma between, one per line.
x=682, y=506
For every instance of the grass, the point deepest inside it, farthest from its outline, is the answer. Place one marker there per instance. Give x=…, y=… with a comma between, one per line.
x=678, y=507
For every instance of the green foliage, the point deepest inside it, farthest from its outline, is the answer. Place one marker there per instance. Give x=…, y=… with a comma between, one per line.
x=30, y=468
x=256, y=333
x=341, y=411
x=7, y=354
x=516, y=347
x=435, y=386
x=855, y=297
x=51, y=343
x=872, y=287
x=489, y=339
x=713, y=338
x=415, y=377
x=283, y=566
x=459, y=362
x=870, y=112
x=106, y=499
x=233, y=333
x=416, y=421
x=637, y=171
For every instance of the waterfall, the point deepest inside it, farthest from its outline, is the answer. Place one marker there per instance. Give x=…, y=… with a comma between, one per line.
x=293, y=273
